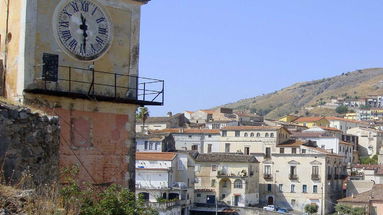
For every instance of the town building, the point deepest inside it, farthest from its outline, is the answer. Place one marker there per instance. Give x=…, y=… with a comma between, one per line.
x=155, y=142
x=159, y=123
x=369, y=140
x=300, y=173
x=78, y=60
x=166, y=181
x=187, y=139
x=312, y=122
x=371, y=201
x=229, y=178
x=345, y=124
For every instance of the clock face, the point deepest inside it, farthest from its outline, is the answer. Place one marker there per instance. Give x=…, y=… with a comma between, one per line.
x=82, y=28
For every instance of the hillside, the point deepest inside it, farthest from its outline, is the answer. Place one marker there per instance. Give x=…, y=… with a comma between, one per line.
x=295, y=98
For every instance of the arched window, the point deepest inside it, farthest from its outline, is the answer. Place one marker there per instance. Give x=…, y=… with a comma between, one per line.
x=246, y=135
x=238, y=183
x=251, y=134
x=267, y=135
x=272, y=135
x=258, y=134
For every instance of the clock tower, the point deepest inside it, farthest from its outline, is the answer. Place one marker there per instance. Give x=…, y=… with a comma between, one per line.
x=78, y=60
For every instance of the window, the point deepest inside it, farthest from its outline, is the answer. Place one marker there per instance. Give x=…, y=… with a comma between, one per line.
x=280, y=187
x=267, y=135
x=213, y=182
x=268, y=152
x=237, y=133
x=292, y=188
x=315, y=189
x=282, y=150
x=209, y=148
x=146, y=145
x=267, y=170
x=198, y=194
x=303, y=151
x=190, y=136
x=227, y=147
x=251, y=134
x=238, y=184
x=293, y=150
x=315, y=170
x=247, y=150
x=304, y=188
x=272, y=135
x=151, y=146
x=293, y=202
x=214, y=167
x=293, y=171
x=194, y=147
x=224, y=133
x=246, y=135
x=269, y=187
x=209, y=135
x=258, y=134
x=223, y=196
x=224, y=184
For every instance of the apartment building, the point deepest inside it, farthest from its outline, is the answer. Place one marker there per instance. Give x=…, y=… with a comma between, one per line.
x=187, y=139
x=229, y=178
x=345, y=124
x=160, y=123
x=300, y=173
x=248, y=139
x=369, y=140
x=312, y=121
x=166, y=181
x=155, y=142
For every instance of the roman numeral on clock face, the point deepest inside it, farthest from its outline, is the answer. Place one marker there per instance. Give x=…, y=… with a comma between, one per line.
x=73, y=44
x=74, y=6
x=85, y=6
x=99, y=40
x=99, y=20
x=102, y=30
x=66, y=35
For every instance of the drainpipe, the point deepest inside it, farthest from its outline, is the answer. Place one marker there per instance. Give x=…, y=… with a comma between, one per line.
x=5, y=50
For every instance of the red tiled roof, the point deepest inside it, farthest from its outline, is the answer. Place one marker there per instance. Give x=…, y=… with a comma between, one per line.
x=294, y=143
x=333, y=118
x=251, y=128
x=346, y=143
x=375, y=194
x=308, y=119
x=187, y=131
x=154, y=156
x=330, y=129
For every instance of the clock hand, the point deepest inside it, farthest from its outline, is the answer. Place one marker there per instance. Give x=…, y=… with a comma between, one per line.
x=84, y=28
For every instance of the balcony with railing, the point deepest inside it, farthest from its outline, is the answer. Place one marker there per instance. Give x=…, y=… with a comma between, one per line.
x=225, y=173
x=267, y=176
x=329, y=177
x=88, y=83
x=293, y=177
x=315, y=177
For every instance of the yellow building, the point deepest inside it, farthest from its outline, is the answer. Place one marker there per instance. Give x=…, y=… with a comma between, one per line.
x=288, y=118
x=312, y=122
x=352, y=116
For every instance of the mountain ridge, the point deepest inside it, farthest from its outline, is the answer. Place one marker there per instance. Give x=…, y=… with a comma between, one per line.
x=294, y=98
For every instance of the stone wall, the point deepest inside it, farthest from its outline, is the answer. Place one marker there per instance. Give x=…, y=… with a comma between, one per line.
x=29, y=143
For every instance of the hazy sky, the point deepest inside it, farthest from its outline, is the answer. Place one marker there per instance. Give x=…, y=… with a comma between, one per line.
x=213, y=52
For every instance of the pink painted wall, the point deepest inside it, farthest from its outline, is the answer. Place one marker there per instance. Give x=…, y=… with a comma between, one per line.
x=100, y=141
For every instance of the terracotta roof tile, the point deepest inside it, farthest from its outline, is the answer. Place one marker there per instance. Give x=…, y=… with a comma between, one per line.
x=308, y=119
x=163, y=156
x=375, y=194
x=251, y=128
x=330, y=129
x=187, y=131
x=332, y=118
x=225, y=157
x=293, y=143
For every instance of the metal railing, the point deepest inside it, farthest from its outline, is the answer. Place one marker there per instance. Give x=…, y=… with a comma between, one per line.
x=293, y=177
x=101, y=85
x=267, y=176
x=315, y=177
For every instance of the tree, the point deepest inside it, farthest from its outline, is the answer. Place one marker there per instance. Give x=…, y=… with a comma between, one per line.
x=347, y=210
x=311, y=208
x=342, y=109
x=142, y=114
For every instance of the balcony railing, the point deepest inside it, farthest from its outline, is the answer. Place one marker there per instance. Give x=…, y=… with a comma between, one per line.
x=267, y=176
x=293, y=177
x=315, y=177
x=329, y=177
x=99, y=85
x=336, y=177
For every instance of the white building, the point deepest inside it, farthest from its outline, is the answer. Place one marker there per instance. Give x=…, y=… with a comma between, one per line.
x=154, y=143
x=166, y=181
x=370, y=140
x=345, y=124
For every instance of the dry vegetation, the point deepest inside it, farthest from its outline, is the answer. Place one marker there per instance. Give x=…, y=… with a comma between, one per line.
x=294, y=98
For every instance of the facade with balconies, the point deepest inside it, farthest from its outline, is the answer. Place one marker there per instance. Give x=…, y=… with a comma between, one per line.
x=166, y=181
x=224, y=178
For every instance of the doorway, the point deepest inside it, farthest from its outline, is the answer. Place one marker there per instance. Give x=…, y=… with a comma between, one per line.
x=270, y=200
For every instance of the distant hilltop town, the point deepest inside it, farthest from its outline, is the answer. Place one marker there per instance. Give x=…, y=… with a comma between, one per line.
x=244, y=162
